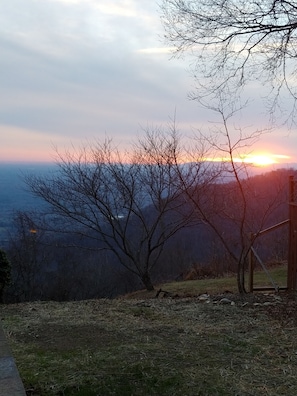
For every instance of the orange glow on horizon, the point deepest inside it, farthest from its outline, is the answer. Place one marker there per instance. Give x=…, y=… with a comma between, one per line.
x=255, y=159
x=260, y=160
x=264, y=159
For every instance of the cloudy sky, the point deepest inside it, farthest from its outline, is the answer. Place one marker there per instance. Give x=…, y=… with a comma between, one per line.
x=77, y=70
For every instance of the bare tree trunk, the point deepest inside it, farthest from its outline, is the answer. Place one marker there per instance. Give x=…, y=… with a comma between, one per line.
x=146, y=280
x=240, y=277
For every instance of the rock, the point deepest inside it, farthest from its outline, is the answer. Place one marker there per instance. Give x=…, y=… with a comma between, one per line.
x=203, y=297
x=226, y=301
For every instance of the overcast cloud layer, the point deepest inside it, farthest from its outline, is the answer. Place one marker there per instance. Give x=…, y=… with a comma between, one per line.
x=73, y=70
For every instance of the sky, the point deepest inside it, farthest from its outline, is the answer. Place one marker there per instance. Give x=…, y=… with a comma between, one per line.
x=75, y=71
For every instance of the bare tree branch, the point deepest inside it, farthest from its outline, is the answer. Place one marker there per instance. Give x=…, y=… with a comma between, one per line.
x=236, y=42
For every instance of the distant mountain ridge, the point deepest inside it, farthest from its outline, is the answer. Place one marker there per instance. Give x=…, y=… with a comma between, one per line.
x=14, y=196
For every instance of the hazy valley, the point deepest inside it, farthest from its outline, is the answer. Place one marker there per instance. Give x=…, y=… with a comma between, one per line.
x=98, y=273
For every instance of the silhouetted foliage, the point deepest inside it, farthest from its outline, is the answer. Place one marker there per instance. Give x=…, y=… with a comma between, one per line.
x=5, y=276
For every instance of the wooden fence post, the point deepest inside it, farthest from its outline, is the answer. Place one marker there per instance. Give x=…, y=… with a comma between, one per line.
x=251, y=265
x=292, y=256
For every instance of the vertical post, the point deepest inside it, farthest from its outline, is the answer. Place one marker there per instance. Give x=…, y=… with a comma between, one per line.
x=291, y=190
x=251, y=265
x=292, y=255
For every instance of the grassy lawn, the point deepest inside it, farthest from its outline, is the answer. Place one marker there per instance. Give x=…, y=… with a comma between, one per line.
x=218, y=285
x=149, y=346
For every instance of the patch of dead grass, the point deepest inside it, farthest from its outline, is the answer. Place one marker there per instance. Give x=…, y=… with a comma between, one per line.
x=155, y=346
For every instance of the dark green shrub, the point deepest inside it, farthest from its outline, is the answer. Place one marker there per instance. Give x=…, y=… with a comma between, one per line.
x=5, y=269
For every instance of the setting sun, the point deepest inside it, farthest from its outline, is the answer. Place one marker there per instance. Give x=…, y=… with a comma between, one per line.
x=263, y=159
x=255, y=159
x=260, y=160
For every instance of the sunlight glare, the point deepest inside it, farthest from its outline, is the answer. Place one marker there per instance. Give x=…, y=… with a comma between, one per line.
x=262, y=160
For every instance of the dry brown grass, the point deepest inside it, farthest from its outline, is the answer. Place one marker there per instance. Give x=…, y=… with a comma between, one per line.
x=152, y=346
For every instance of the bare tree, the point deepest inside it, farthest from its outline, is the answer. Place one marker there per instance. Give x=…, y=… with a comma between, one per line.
x=226, y=201
x=236, y=42
x=130, y=204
